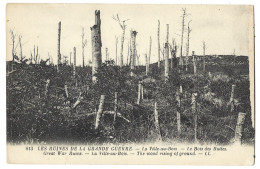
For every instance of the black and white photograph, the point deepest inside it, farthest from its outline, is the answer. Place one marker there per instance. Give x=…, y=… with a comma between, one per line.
x=105, y=83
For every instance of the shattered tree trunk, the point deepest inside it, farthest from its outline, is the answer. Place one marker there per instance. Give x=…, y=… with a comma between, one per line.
x=166, y=62
x=133, y=47
x=100, y=111
x=239, y=127
x=74, y=65
x=195, y=115
x=194, y=63
x=150, y=50
x=96, y=45
x=232, y=104
x=159, y=50
x=156, y=122
x=146, y=65
x=58, y=54
x=122, y=46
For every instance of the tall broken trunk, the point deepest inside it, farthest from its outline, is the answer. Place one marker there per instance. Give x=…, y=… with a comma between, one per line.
x=204, y=50
x=159, y=50
x=166, y=62
x=146, y=65
x=133, y=47
x=100, y=111
x=122, y=46
x=96, y=45
x=74, y=65
x=58, y=54
x=150, y=50
x=194, y=63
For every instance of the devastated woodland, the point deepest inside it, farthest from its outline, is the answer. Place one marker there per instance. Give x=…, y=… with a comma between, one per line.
x=178, y=99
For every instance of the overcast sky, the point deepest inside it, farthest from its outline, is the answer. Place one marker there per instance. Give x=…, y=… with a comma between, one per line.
x=223, y=28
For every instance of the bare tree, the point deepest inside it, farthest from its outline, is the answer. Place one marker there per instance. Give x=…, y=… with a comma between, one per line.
x=58, y=53
x=188, y=46
x=123, y=27
x=182, y=32
x=84, y=44
x=150, y=50
x=158, y=35
x=133, y=37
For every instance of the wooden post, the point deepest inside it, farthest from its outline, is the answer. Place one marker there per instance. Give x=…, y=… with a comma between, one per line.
x=59, y=55
x=232, y=105
x=100, y=110
x=115, y=107
x=96, y=45
x=239, y=127
x=166, y=62
x=139, y=93
x=194, y=111
x=159, y=50
x=133, y=47
x=156, y=122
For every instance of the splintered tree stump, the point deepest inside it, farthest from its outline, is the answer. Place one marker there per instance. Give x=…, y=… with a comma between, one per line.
x=159, y=50
x=239, y=127
x=100, y=111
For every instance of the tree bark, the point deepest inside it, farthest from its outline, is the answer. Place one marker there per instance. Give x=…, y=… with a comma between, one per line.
x=100, y=111
x=74, y=65
x=133, y=47
x=195, y=115
x=96, y=45
x=166, y=62
x=58, y=54
x=239, y=127
x=156, y=122
x=159, y=50
x=232, y=105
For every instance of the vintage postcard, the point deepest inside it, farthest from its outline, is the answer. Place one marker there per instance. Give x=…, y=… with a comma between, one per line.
x=130, y=84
